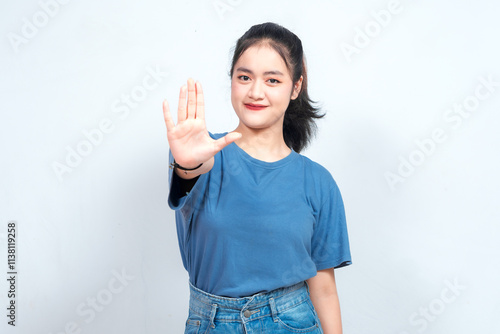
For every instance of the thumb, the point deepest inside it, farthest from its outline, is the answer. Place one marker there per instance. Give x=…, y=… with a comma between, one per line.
x=226, y=140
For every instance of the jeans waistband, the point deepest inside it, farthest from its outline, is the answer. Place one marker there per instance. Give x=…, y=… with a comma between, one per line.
x=246, y=309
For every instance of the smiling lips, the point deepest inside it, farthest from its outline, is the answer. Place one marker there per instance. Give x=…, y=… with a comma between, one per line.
x=252, y=106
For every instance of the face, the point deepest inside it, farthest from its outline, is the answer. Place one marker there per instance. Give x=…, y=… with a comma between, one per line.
x=261, y=88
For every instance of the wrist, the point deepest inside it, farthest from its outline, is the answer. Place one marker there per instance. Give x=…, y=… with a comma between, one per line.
x=184, y=169
x=189, y=174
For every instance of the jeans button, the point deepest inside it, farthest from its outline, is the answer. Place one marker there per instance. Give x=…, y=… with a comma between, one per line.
x=247, y=313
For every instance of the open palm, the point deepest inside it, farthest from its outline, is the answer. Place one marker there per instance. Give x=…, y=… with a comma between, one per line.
x=189, y=140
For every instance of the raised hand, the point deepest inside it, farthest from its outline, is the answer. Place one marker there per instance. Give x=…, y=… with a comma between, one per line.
x=189, y=140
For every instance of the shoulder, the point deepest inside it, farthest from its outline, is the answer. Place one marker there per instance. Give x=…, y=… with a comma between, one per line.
x=316, y=170
x=319, y=178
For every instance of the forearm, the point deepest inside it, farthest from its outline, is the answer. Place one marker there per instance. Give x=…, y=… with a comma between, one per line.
x=328, y=308
x=323, y=292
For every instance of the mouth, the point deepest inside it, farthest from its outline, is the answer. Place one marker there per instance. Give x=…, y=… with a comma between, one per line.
x=253, y=106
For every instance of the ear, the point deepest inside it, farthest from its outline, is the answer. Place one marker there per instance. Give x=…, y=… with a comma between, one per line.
x=296, y=88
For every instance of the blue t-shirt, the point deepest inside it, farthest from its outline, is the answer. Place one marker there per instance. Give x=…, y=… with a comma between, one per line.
x=251, y=226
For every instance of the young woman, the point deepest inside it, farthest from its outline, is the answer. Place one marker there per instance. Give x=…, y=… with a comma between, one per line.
x=260, y=226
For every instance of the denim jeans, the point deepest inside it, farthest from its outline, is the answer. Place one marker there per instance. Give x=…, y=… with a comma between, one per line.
x=284, y=310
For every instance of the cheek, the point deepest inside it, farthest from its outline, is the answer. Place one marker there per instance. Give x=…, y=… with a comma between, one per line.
x=236, y=96
x=237, y=91
x=280, y=96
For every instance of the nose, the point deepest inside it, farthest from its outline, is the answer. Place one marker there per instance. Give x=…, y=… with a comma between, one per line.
x=256, y=92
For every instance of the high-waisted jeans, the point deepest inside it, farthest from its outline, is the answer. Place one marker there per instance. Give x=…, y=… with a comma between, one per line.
x=284, y=310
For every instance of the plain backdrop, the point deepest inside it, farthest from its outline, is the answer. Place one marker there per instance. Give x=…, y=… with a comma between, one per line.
x=412, y=97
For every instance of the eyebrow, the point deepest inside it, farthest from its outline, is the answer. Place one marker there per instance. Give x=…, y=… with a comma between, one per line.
x=246, y=70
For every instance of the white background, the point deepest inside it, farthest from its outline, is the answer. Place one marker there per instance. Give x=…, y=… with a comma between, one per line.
x=437, y=226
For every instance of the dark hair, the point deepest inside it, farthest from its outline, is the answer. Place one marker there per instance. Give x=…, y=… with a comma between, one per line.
x=298, y=125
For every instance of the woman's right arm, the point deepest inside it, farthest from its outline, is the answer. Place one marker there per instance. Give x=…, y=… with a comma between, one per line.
x=189, y=140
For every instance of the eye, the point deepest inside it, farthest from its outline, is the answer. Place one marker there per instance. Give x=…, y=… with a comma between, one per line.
x=273, y=81
x=244, y=77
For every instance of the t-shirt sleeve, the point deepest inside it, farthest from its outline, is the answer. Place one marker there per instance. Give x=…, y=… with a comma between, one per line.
x=330, y=242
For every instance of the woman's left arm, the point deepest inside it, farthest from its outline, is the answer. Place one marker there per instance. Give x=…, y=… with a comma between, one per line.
x=323, y=292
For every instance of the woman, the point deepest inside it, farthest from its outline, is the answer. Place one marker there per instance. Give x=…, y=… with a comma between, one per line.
x=260, y=227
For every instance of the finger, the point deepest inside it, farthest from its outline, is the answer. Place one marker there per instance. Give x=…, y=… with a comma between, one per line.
x=191, y=104
x=181, y=110
x=200, y=102
x=168, y=117
x=220, y=143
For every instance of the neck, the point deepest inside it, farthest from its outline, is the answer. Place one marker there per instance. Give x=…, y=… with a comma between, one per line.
x=266, y=145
